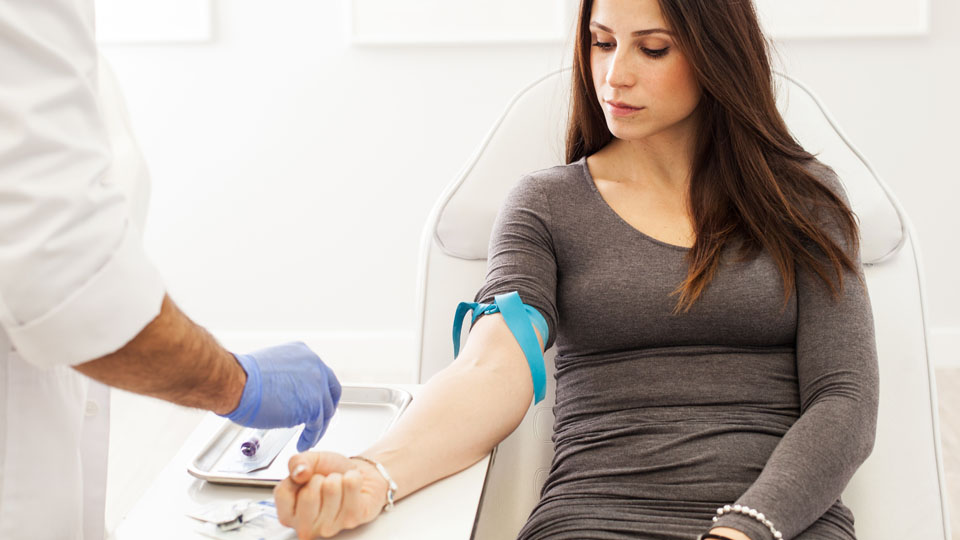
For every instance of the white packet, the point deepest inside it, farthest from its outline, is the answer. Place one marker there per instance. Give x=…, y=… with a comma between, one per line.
x=259, y=523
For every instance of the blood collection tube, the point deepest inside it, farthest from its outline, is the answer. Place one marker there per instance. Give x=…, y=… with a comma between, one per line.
x=250, y=446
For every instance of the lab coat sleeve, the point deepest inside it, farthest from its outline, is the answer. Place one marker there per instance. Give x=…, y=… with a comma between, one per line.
x=75, y=283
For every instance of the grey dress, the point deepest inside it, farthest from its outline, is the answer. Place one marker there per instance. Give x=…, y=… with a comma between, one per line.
x=661, y=418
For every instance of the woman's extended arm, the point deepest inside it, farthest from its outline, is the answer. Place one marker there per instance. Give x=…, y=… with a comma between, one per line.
x=463, y=411
x=456, y=419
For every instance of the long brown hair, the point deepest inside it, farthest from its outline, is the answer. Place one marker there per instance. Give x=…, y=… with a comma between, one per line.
x=751, y=180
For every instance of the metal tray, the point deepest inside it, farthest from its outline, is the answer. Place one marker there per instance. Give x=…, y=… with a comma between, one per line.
x=364, y=414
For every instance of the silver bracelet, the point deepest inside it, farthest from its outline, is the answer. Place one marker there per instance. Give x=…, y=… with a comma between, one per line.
x=750, y=512
x=391, y=485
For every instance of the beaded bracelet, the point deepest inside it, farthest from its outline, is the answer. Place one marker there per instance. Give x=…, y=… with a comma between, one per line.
x=747, y=511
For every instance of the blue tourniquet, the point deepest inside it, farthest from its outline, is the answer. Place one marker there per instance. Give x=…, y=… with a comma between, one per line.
x=518, y=317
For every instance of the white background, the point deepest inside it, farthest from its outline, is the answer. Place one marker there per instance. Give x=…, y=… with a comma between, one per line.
x=293, y=170
x=829, y=18
x=144, y=21
x=427, y=21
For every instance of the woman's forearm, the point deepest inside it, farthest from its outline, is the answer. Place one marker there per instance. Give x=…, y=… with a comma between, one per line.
x=462, y=413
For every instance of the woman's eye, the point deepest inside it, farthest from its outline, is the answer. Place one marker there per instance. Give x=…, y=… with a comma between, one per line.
x=655, y=53
x=603, y=45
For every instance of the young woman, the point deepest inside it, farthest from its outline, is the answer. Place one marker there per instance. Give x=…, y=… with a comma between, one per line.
x=700, y=274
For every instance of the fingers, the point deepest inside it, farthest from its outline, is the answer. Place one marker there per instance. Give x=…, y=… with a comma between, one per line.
x=314, y=430
x=323, y=507
x=332, y=496
x=307, y=508
x=311, y=499
x=349, y=514
x=334, y=384
x=285, y=497
x=325, y=504
x=310, y=435
x=303, y=466
x=329, y=409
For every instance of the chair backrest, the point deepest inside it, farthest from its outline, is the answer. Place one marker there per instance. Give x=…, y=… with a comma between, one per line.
x=898, y=493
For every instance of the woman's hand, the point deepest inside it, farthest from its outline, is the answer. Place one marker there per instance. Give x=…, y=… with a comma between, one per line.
x=732, y=534
x=327, y=493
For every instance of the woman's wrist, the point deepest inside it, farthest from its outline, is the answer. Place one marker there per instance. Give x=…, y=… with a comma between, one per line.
x=748, y=521
x=375, y=478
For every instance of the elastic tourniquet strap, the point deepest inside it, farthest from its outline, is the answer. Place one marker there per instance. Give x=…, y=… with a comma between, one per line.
x=518, y=317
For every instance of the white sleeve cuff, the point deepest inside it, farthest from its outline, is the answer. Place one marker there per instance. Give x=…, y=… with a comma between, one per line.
x=99, y=318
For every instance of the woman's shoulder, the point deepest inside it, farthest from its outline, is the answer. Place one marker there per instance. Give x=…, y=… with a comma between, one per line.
x=837, y=219
x=553, y=181
x=827, y=176
x=549, y=199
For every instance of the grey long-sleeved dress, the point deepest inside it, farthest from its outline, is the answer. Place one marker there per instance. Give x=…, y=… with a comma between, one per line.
x=661, y=418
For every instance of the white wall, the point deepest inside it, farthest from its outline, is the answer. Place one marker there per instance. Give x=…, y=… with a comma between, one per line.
x=293, y=171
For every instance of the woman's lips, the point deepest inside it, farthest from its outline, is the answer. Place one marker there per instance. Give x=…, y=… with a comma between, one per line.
x=622, y=109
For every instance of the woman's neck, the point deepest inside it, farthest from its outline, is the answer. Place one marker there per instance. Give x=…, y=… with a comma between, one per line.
x=665, y=158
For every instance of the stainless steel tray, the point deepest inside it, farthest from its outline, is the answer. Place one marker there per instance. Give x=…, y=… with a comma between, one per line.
x=364, y=414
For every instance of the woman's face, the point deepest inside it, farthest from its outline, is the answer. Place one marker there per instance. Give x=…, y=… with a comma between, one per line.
x=644, y=83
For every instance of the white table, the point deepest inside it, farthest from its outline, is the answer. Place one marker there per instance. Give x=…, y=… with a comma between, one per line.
x=445, y=510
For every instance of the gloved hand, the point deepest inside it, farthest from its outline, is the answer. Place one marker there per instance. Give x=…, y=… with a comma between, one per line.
x=287, y=385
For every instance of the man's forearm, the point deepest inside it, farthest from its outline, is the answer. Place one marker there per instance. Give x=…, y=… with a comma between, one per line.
x=176, y=360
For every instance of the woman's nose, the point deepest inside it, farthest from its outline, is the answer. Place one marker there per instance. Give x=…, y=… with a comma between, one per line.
x=620, y=72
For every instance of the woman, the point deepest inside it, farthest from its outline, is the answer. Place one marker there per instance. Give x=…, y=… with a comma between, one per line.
x=700, y=272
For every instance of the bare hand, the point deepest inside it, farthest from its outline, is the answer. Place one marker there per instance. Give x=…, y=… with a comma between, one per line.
x=327, y=493
x=732, y=534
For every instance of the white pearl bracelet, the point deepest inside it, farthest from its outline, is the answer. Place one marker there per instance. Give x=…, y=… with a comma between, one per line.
x=747, y=511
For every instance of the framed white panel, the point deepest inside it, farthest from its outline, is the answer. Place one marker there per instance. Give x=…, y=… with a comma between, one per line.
x=154, y=21
x=842, y=18
x=460, y=21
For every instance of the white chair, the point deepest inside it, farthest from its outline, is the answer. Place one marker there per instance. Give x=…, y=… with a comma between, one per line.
x=898, y=493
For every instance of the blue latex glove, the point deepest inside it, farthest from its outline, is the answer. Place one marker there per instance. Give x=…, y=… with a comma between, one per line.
x=287, y=385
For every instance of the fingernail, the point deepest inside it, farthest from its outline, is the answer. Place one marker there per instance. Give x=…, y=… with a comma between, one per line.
x=299, y=469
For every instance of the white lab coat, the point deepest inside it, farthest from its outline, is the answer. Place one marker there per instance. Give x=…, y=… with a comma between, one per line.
x=75, y=283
